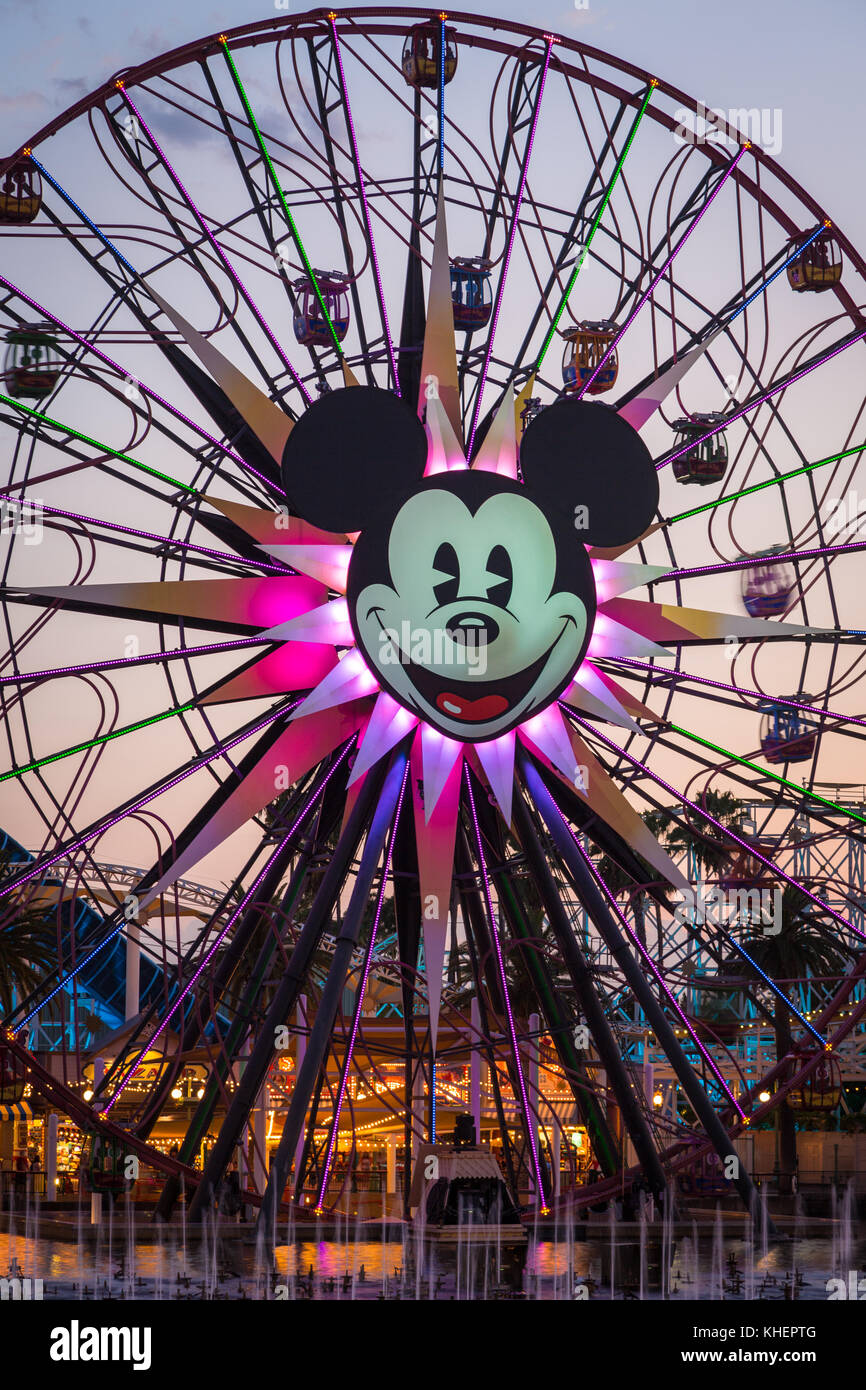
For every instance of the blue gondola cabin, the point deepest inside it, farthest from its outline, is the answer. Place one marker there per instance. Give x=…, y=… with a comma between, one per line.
x=470, y=293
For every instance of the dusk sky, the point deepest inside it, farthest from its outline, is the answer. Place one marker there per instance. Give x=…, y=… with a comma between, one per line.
x=799, y=64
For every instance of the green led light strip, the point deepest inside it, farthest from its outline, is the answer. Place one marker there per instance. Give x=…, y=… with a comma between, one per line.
x=765, y=772
x=598, y=216
x=95, y=742
x=770, y=482
x=103, y=448
x=280, y=194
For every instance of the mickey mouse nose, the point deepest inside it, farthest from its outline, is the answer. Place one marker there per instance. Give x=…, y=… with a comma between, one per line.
x=472, y=629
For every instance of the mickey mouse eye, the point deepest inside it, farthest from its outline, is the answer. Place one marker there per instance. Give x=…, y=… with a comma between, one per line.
x=500, y=571
x=446, y=568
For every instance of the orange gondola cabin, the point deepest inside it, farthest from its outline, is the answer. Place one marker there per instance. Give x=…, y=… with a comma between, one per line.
x=421, y=54
x=817, y=265
x=20, y=194
x=585, y=348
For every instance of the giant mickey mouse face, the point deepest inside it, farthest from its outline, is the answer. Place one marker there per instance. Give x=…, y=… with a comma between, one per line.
x=471, y=596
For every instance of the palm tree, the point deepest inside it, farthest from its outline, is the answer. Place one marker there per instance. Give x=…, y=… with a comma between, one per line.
x=805, y=945
x=28, y=942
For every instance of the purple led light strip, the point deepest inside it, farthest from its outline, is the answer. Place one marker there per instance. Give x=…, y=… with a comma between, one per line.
x=373, y=256
x=218, y=249
x=679, y=246
x=749, y=560
x=251, y=891
x=148, y=535
x=750, y=405
x=105, y=825
x=726, y=831
x=656, y=973
x=741, y=690
x=121, y=661
x=494, y=932
x=147, y=390
x=344, y=1079
x=500, y=290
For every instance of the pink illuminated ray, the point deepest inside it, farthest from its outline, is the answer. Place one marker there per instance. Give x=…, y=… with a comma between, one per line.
x=273, y=527
x=389, y=722
x=444, y=453
x=349, y=680
x=498, y=452
x=613, y=577
x=330, y=623
x=327, y=563
x=439, y=358
x=266, y=420
x=255, y=602
x=439, y=754
x=298, y=748
x=297, y=667
x=497, y=759
x=435, y=840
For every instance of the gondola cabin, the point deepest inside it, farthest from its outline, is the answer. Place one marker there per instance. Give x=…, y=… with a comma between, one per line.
x=20, y=194
x=821, y=1092
x=816, y=266
x=767, y=587
x=786, y=737
x=106, y=1165
x=470, y=293
x=585, y=348
x=743, y=870
x=423, y=55
x=32, y=364
x=700, y=460
x=310, y=323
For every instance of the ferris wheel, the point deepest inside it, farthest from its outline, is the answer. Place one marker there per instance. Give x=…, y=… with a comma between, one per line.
x=416, y=483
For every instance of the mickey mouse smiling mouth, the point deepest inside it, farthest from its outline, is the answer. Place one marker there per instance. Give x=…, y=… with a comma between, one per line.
x=470, y=699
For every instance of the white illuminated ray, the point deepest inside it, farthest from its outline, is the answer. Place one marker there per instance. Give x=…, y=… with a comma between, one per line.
x=611, y=639
x=589, y=694
x=548, y=732
x=613, y=577
x=329, y=623
x=389, y=722
x=327, y=563
x=497, y=758
x=498, y=452
x=439, y=754
x=349, y=680
x=445, y=452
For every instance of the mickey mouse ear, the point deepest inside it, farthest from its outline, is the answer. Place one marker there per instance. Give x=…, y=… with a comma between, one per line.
x=348, y=453
x=581, y=454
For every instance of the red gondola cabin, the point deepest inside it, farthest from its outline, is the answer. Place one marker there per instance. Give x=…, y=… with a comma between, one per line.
x=470, y=293
x=704, y=460
x=310, y=324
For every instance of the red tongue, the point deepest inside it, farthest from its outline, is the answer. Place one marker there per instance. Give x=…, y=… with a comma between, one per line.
x=459, y=707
